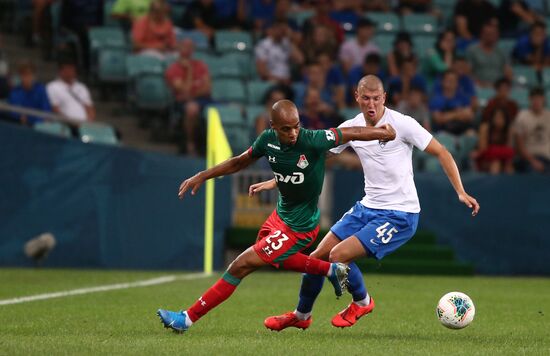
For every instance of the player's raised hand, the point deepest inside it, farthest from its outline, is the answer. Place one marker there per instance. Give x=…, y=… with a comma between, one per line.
x=470, y=202
x=192, y=183
x=258, y=187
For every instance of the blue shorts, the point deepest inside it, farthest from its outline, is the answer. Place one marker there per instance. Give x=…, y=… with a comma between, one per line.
x=380, y=231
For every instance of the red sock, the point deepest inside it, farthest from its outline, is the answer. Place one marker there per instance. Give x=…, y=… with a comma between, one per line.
x=214, y=296
x=303, y=263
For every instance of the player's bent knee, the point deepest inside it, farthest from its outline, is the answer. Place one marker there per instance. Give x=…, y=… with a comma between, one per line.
x=320, y=254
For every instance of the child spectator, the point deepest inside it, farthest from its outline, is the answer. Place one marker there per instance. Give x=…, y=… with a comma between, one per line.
x=495, y=153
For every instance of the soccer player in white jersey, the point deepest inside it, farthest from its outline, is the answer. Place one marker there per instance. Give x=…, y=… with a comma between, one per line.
x=386, y=217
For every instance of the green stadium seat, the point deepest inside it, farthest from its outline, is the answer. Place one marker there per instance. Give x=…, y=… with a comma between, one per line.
x=177, y=10
x=420, y=23
x=466, y=144
x=546, y=78
x=484, y=95
x=53, y=128
x=521, y=96
x=108, y=20
x=102, y=37
x=301, y=16
x=152, y=92
x=256, y=90
x=199, y=39
x=507, y=45
x=252, y=112
x=228, y=90
x=384, y=41
x=525, y=76
x=97, y=133
x=385, y=22
x=232, y=65
x=232, y=41
x=230, y=114
x=349, y=113
x=422, y=43
x=238, y=138
x=112, y=65
x=140, y=64
x=447, y=140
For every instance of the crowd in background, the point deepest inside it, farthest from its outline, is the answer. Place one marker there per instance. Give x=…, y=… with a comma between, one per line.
x=318, y=61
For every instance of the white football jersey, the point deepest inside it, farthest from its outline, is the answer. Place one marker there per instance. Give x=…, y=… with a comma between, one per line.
x=387, y=167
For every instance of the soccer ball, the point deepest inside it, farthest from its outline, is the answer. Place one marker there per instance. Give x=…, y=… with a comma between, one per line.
x=455, y=310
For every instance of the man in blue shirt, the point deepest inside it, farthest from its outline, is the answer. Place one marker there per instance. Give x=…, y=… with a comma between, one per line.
x=30, y=94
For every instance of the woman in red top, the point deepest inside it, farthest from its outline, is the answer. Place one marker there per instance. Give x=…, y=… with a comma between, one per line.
x=154, y=32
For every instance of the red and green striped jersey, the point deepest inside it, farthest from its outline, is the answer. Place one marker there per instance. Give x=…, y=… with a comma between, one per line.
x=299, y=170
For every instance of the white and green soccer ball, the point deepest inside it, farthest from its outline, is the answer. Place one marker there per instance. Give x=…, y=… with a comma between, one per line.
x=455, y=310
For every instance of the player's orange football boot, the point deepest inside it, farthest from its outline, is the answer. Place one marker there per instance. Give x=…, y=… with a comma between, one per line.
x=280, y=322
x=350, y=315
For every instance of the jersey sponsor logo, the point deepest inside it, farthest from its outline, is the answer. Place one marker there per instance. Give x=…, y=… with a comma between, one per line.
x=295, y=178
x=302, y=162
x=273, y=146
x=271, y=159
x=330, y=135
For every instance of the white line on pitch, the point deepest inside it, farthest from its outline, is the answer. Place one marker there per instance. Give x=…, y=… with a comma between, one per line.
x=108, y=287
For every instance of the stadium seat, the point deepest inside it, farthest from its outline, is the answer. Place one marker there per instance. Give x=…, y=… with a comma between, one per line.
x=447, y=140
x=108, y=20
x=301, y=16
x=152, y=92
x=466, y=144
x=546, y=78
x=525, y=76
x=238, y=138
x=177, y=10
x=251, y=113
x=97, y=133
x=112, y=65
x=484, y=95
x=231, y=65
x=384, y=41
x=230, y=114
x=101, y=37
x=199, y=39
x=349, y=113
x=385, y=21
x=507, y=45
x=226, y=41
x=521, y=96
x=228, y=90
x=423, y=43
x=53, y=128
x=140, y=64
x=256, y=90
x=420, y=23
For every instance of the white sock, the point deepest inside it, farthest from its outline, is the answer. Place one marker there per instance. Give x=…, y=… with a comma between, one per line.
x=188, y=321
x=330, y=270
x=302, y=316
x=363, y=302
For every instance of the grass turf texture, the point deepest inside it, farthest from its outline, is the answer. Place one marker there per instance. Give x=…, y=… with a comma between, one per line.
x=512, y=317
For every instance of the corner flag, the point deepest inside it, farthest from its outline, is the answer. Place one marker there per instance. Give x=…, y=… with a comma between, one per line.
x=217, y=151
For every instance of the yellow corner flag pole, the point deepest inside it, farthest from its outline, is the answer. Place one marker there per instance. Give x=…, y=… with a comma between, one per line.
x=217, y=151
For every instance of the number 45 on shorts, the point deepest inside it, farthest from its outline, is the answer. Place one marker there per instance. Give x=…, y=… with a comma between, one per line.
x=385, y=233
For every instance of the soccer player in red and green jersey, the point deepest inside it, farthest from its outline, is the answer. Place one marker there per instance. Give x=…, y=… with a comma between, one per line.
x=297, y=158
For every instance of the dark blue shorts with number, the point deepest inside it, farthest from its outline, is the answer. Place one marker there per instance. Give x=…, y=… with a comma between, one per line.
x=380, y=231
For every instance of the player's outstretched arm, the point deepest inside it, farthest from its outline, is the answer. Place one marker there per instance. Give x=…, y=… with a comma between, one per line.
x=361, y=133
x=265, y=185
x=232, y=165
x=451, y=170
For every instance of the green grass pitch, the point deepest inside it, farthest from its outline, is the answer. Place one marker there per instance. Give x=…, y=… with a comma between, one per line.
x=512, y=317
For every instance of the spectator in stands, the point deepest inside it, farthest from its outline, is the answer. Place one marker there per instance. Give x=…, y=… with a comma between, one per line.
x=202, y=15
x=533, y=49
x=190, y=82
x=441, y=57
x=130, y=10
x=273, y=95
x=29, y=94
x=334, y=78
x=355, y=49
x=153, y=34
x=275, y=53
x=322, y=10
x=466, y=85
x=414, y=106
x=451, y=111
x=400, y=86
x=39, y=8
x=263, y=13
x=487, y=61
x=501, y=100
x=316, y=78
x=316, y=113
x=321, y=39
x=79, y=16
x=377, y=6
x=406, y=7
x=371, y=65
x=495, y=153
x=469, y=18
x=515, y=17
x=68, y=96
x=532, y=129
x=402, y=50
